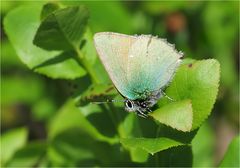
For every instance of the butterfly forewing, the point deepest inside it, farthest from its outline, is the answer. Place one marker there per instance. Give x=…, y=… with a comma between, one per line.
x=113, y=50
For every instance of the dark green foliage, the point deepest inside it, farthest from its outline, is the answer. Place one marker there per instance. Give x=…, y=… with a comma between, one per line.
x=48, y=8
x=62, y=29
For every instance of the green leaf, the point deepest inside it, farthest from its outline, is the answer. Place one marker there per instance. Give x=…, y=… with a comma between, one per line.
x=64, y=65
x=178, y=115
x=70, y=116
x=70, y=146
x=169, y=132
x=151, y=145
x=231, y=158
x=180, y=156
x=11, y=141
x=197, y=81
x=21, y=25
x=62, y=29
x=138, y=155
x=48, y=9
x=203, y=150
x=9, y=5
x=74, y=147
x=130, y=128
x=88, y=49
x=29, y=156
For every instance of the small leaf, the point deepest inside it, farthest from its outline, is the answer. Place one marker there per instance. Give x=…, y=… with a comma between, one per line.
x=62, y=29
x=21, y=25
x=177, y=115
x=11, y=141
x=197, y=81
x=231, y=158
x=48, y=9
x=151, y=145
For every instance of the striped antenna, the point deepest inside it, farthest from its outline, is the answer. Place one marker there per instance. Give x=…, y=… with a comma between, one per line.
x=108, y=101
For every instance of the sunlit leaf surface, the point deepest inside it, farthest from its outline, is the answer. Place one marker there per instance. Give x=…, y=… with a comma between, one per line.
x=197, y=81
x=177, y=115
x=11, y=142
x=21, y=25
x=151, y=145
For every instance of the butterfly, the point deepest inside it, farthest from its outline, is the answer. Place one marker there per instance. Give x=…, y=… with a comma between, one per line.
x=140, y=67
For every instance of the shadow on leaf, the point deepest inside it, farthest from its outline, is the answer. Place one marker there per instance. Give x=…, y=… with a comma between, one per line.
x=64, y=56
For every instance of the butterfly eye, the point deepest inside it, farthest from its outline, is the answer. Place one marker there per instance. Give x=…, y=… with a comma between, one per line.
x=129, y=104
x=143, y=105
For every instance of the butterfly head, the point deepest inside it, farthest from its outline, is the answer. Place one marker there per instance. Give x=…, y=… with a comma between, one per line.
x=140, y=107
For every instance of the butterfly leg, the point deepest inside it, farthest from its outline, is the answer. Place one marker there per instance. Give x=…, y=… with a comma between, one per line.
x=149, y=110
x=141, y=114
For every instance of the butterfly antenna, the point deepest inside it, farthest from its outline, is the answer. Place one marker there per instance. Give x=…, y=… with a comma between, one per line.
x=149, y=110
x=108, y=101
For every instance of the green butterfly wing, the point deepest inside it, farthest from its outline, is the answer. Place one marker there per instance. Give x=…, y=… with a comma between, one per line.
x=137, y=64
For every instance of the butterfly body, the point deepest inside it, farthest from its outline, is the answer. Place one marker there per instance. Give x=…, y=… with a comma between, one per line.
x=142, y=106
x=140, y=67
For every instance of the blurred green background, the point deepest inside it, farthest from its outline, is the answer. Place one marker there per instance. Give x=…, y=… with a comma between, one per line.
x=202, y=30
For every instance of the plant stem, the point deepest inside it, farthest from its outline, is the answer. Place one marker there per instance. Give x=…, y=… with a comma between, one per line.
x=157, y=156
x=84, y=63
